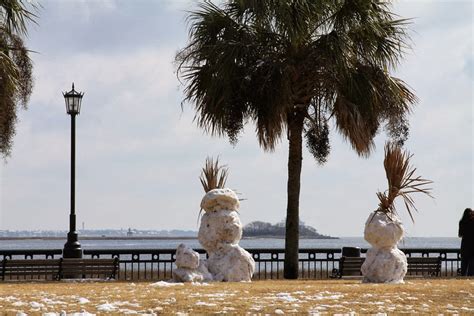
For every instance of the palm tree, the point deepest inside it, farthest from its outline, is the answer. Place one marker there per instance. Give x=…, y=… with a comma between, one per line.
x=293, y=67
x=16, y=81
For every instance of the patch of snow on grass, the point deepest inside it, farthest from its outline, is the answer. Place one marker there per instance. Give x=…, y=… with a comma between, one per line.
x=169, y=301
x=127, y=311
x=165, y=284
x=411, y=298
x=106, y=307
x=82, y=300
x=299, y=292
x=256, y=308
x=36, y=305
x=314, y=313
x=218, y=294
x=8, y=298
x=279, y=312
x=197, y=294
x=126, y=303
x=49, y=301
x=82, y=313
x=199, y=303
x=199, y=284
x=286, y=297
x=325, y=295
x=228, y=309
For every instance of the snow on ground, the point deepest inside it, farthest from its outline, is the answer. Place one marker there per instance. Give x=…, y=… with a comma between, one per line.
x=165, y=284
x=325, y=295
x=257, y=298
x=82, y=300
x=106, y=307
x=62, y=313
x=199, y=303
x=286, y=297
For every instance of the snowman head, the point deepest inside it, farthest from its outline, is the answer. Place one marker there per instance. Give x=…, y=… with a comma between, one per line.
x=220, y=199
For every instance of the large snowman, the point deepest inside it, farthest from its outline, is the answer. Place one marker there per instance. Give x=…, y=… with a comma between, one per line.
x=219, y=234
x=385, y=263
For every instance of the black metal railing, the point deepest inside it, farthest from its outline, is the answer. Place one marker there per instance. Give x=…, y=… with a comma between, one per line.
x=141, y=264
x=158, y=264
x=313, y=263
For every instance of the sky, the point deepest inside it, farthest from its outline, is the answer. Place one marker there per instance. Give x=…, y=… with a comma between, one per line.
x=139, y=152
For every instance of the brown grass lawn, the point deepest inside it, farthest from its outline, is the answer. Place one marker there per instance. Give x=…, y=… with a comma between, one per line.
x=427, y=296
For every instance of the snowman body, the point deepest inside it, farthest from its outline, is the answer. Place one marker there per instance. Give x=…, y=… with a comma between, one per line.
x=384, y=262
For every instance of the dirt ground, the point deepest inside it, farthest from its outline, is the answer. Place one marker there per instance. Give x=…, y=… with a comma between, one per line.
x=428, y=296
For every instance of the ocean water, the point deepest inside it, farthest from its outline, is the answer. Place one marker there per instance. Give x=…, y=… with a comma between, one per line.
x=409, y=242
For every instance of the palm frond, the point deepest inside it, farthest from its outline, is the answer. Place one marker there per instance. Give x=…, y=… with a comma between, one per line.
x=261, y=60
x=16, y=79
x=402, y=181
x=15, y=15
x=213, y=176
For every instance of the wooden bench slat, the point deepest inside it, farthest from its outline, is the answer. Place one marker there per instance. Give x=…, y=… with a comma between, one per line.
x=32, y=263
x=91, y=261
x=422, y=260
x=86, y=270
x=43, y=273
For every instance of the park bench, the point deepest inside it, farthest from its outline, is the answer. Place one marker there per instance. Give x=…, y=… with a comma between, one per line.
x=348, y=266
x=57, y=269
x=417, y=266
x=423, y=266
x=31, y=269
x=88, y=268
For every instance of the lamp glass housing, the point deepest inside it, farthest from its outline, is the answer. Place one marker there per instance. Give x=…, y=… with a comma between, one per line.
x=73, y=101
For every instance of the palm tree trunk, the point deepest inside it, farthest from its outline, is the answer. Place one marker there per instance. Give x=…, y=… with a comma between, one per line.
x=295, y=157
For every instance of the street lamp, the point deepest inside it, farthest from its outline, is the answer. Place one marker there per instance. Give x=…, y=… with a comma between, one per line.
x=72, y=248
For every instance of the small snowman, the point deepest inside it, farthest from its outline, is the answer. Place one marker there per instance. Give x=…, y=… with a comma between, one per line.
x=384, y=262
x=190, y=267
x=219, y=234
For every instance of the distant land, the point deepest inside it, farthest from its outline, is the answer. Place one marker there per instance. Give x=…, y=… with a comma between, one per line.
x=252, y=230
x=264, y=229
x=100, y=233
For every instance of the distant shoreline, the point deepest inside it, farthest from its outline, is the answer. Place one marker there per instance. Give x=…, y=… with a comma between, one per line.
x=142, y=238
x=283, y=237
x=99, y=238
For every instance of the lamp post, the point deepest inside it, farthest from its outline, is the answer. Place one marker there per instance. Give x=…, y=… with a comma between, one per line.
x=72, y=248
